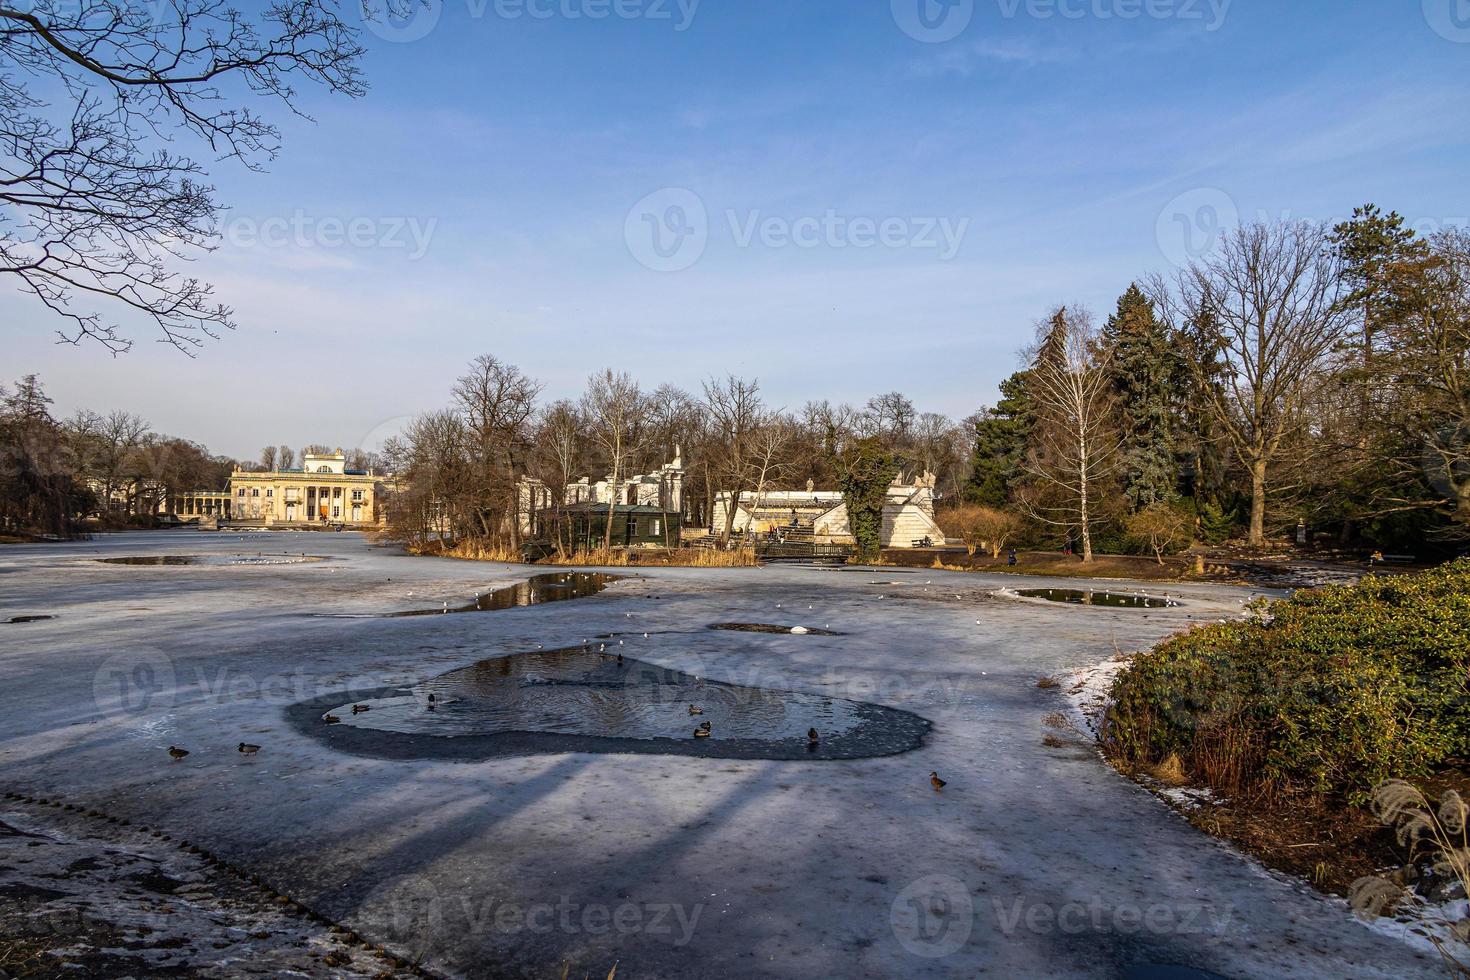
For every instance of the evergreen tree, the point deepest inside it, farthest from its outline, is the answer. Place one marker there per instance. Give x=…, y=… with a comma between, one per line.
x=1000, y=444
x=1145, y=375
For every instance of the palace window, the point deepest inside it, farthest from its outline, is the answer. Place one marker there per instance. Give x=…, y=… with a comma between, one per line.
x=270, y=492
x=255, y=491
x=357, y=495
x=241, y=492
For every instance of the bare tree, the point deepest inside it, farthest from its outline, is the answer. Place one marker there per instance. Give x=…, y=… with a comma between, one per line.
x=285, y=457
x=268, y=458
x=615, y=409
x=1072, y=445
x=735, y=412
x=1268, y=304
x=94, y=202
x=560, y=450
x=497, y=401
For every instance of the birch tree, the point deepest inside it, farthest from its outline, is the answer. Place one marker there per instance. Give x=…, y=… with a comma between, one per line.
x=615, y=407
x=1073, y=445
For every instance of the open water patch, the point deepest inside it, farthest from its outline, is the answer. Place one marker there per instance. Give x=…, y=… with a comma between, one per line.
x=538, y=589
x=1094, y=597
x=772, y=628
x=583, y=700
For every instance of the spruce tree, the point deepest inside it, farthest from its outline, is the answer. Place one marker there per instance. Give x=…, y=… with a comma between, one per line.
x=1146, y=378
x=1000, y=443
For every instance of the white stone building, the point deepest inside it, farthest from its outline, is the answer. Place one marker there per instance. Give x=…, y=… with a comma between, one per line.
x=908, y=514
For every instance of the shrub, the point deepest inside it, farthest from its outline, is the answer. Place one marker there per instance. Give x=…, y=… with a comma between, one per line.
x=980, y=527
x=1330, y=691
x=1161, y=528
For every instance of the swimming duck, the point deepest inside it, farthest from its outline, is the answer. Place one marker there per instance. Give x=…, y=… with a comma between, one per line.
x=703, y=731
x=331, y=719
x=694, y=710
x=811, y=735
x=358, y=709
x=247, y=749
x=936, y=782
x=177, y=752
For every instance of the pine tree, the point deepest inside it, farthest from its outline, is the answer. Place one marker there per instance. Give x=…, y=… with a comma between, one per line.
x=1000, y=443
x=1145, y=376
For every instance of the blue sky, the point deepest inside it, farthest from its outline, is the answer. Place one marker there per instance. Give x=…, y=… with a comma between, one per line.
x=844, y=206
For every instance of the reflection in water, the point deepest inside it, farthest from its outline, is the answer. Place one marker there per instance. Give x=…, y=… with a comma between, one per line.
x=553, y=587
x=1087, y=597
x=583, y=692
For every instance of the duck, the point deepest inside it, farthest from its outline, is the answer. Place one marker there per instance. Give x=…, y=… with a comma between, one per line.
x=433, y=702
x=247, y=749
x=811, y=735
x=936, y=782
x=331, y=719
x=702, y=731
x=358, y=709
x=176, y=752
x=695, y=710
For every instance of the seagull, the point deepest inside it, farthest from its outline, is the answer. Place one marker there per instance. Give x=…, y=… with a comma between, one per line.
x=936, y=782
x=177, y=752
x=247, y=749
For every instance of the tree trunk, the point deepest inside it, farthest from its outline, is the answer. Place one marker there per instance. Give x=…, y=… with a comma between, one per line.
x=1257, y=538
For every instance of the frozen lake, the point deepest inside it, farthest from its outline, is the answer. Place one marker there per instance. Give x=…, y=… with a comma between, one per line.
x=1032, y=862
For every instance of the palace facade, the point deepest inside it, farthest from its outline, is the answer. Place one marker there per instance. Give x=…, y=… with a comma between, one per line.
x=322, y=491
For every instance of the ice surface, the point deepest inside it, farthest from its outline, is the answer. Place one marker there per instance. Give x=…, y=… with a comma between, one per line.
x=1032, y=862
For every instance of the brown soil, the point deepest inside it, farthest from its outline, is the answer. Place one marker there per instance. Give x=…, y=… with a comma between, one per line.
x=1329, y=843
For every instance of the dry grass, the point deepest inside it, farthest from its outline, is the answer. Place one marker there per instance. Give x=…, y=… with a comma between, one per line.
x=1046, y=683
x=469, y=550
x=1170, y=772
x=680, y=557
x=1053, y=742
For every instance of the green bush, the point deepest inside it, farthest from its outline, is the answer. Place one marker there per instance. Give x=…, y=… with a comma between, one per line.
x=1327, y=692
